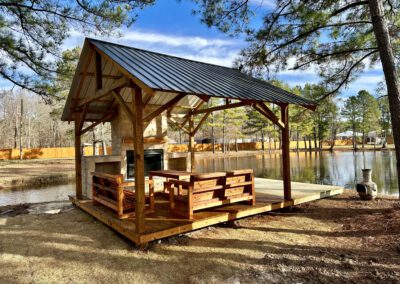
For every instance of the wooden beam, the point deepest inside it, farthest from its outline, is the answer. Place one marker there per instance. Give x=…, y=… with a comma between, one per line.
x=105, y=91
x=147, y=100
x=123, y=104
x=187, y=116
x=82, y=118
x=105, y=118
x=97, y=111
x=218, y=108
x=78, y=159
x=82, y=80
x=273, y=117
x=166, y=106
x=191, y=142
x=178, y=124
x=98, y=73
x=204, y=98
x=115, y=85
x=203, y=119
x=137, y=123
x=106, y=76
x=287, y=188
x=121, y=69
x=264, y=110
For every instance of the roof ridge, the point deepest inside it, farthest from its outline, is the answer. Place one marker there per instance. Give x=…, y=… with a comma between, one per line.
x=158, y=53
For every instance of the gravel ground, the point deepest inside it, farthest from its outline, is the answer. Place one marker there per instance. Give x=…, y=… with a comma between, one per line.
x=336, y=240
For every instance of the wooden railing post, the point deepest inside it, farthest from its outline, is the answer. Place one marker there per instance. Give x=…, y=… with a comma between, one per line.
x=287, y=189
x=137, y=123
x=78, y=158
x=191, y=142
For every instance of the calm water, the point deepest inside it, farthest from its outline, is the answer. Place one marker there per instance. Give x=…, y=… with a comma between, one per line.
x=337, y=168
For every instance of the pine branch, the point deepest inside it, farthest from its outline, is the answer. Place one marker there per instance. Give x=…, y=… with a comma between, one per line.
x=347, y=7
x=340, y=52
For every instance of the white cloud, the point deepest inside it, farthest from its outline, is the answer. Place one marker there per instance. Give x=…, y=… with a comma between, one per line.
x=174, y=41
x=220, y=51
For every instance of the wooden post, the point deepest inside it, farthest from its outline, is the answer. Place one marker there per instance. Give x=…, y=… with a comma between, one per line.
x=191, y=142
x=78, y=157
x=287, y=190
x=139, y=159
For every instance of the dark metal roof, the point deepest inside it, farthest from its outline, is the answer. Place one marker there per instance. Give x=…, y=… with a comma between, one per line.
x=170, y=73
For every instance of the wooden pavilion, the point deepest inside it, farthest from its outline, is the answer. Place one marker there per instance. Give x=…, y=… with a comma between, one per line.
x=138, y=91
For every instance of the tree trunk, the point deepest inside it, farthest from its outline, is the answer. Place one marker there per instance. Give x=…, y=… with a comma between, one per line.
x=15, y=130
x=236, y=144
x=262, y=140
x=354, y=137
x=363, y=139
x=297, y=140
x=213, y=139
x=20, y=128
x=315, y=138
x=305, y=142
x=389, y=69
x=333, y=141
x=309, y=143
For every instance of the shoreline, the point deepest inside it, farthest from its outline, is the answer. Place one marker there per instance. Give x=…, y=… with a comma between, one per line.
x=20, y=174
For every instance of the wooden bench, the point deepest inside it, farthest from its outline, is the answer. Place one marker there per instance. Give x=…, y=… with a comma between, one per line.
x=239, y=186
x=112, y=192
x=210, y=190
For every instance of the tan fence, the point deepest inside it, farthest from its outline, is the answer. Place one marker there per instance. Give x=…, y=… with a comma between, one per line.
x=45, y=153
x=69, y=152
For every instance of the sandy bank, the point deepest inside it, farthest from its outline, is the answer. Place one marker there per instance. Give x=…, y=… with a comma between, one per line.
x=334, y=240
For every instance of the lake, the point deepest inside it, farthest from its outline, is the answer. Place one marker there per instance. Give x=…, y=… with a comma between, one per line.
x=341, y=168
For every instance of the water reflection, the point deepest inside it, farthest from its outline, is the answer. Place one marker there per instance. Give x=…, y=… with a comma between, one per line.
x=336, y=168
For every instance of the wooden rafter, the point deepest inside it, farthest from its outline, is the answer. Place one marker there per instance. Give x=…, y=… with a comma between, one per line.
x=197, y=107
x=135, y=80
x=106, y=76
x=105, y=91
x=106, y=110
x=105, y=118
x=204, y=98
x=81, y=81
x=264, y=110
x=123, y=104
x=82, y=118
x=178, y=125
x=202, y=120
x=218, y=108
x=98, y=73
x=147, y=100
x=163, y=108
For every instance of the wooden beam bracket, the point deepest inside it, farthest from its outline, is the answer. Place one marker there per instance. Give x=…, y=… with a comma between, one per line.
x=163, y=108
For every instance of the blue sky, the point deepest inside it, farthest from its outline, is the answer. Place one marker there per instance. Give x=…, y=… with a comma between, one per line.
x=170, y=27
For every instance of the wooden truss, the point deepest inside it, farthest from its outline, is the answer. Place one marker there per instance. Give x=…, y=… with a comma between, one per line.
x=81, y=107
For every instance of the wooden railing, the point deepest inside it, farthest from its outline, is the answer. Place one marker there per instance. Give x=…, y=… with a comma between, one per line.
x=112, y=192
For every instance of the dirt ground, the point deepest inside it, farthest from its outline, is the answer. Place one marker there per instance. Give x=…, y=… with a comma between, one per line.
x=341, y=239
x=15, y=174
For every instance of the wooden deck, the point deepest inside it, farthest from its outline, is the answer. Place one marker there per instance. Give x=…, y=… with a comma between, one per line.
x=160, y=224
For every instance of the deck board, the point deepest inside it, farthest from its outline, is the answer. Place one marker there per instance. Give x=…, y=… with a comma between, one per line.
x=160, y=224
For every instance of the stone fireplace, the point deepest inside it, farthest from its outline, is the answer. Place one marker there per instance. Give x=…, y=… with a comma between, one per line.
x=120, y=160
